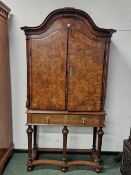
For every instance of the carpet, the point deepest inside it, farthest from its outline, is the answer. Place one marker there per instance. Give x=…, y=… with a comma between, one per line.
x=17, y=165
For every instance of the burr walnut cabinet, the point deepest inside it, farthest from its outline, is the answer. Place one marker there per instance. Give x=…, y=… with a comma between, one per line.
x=6, y=143
x=67, y=62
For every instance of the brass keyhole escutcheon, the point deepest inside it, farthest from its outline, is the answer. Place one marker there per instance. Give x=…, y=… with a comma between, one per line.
x=71, y=72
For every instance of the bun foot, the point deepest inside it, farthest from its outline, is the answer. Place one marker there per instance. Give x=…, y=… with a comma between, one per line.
x=98, y=170
x=64, y=169
x=29, y=168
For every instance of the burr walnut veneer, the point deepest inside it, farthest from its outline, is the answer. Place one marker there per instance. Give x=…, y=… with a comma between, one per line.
x=67, y=60
x=6, y=143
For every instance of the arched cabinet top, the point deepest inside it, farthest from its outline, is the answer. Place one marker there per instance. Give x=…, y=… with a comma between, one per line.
x=68, y=13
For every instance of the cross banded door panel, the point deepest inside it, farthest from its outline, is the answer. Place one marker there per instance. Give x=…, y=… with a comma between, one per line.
x=86, y=58
x=48, y=71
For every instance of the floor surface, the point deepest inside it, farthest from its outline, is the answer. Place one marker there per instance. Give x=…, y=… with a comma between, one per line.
x=17, y=166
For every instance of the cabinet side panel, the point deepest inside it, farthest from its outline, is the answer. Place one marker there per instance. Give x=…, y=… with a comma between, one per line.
x=48, y=69
x=5, y=95
x=86, y=57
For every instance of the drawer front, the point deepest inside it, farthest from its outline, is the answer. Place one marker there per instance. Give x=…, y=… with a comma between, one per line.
x=67, y=120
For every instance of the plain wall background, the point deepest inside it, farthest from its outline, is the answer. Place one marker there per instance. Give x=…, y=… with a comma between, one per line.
x=107, y=14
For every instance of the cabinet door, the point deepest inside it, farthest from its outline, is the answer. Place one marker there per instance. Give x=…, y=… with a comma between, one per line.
x=86, y=57
x=48, y=71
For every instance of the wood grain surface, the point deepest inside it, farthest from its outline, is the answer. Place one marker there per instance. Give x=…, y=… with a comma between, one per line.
x=86, y=60
x=63, y=55
x=66, y=120
x=49, y=72
x=67, y=64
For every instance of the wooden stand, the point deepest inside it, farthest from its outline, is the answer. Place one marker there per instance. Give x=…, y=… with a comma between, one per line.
x=64, y=163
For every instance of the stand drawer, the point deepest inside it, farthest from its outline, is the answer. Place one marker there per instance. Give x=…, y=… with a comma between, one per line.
x=67, y=120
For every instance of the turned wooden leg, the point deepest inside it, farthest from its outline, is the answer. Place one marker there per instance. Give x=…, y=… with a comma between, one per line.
x=35, y=147
x=100, y=135
x=65, y=132
x=29, y=133
x=35, y=138
x=94, y=138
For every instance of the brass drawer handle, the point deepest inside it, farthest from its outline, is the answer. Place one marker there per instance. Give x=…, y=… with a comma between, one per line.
x=83, y=120
x=47, y=120
x=65, y=118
